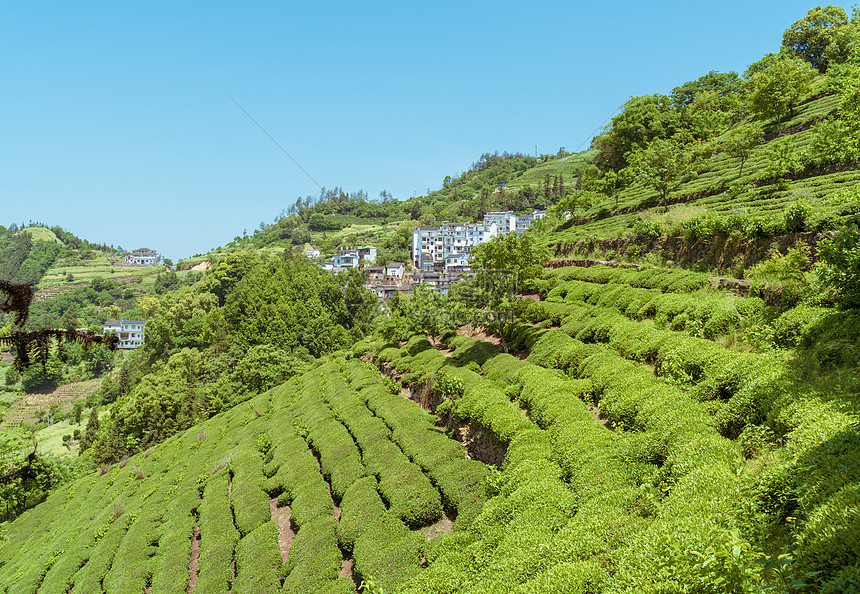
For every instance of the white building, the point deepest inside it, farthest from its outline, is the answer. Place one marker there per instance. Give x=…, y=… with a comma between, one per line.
x=431, y=245
x=366, y=254
x=345, y=260
x=505, y=221
x=312, y=253
x=143, y=257
x=525, y=221
x=457, y=264
x=395, y=270
x=131, y=332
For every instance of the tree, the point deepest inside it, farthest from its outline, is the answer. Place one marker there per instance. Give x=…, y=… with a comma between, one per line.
x=642, y=120
x=612, y=183
x=92, y=430
x=517, y=252
x=776, y=89
x=427, y=311
x=148, y=305
x=663, y=165
x=782, y=159
x=840, y=259
x=741, y=141
x=77, y=410
x=809, y=37
x=723, y=83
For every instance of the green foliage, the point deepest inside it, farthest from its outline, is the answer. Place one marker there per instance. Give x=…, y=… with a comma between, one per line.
x=840, y=257
x=519, y=252
x=775, y=90
x=642, y=120
x=662, y=165
x=740, y=142
x=783, y=159
x=810, y=37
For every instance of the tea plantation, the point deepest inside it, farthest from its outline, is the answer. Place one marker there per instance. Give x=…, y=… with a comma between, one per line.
x=637, y=454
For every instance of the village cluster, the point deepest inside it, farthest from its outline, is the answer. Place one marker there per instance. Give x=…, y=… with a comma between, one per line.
x=440, y=255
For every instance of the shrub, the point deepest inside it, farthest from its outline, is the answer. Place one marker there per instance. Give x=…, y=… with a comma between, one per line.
x=796, y=215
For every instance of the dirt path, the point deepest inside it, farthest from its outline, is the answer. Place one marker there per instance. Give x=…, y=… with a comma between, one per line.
x=194, y=561
x=443, y=526
x=599, y=416
x=282, y=516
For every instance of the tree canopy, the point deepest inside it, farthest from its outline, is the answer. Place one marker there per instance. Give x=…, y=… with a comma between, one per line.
x=809, y=37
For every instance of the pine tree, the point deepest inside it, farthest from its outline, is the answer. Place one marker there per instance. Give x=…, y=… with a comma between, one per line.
x=92, y=430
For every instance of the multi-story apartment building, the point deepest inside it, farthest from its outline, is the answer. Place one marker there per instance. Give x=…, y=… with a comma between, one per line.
x=431, y=245
x=132, y=333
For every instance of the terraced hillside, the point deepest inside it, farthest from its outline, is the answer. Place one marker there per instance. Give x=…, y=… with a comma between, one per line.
x=752, y=198
x=636, y=443
x=333, y=461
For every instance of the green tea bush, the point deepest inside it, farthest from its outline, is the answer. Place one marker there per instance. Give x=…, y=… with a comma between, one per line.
x=174, y=548
x=258, y=561
x=314, y=558
x=218, y=536
x=795, y=326
x=490, y=408
x=409, y=493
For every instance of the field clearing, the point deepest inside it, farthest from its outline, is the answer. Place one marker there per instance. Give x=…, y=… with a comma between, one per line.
x=98, y=268
x=50, y=438
x=25, y=409
x=42, y=234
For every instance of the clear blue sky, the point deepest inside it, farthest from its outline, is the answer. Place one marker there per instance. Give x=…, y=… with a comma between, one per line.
x=115, y=123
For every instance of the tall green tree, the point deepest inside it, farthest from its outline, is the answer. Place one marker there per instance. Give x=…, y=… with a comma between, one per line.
x=809, y=37
x=91, y=431
x=741, y=141
x=642, y=120
x=776, y=89
x=663, y=165
x=521, y=253
x=612, y=183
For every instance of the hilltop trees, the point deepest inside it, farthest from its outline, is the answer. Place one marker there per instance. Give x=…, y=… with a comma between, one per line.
x=642, y=120
x=809, y=38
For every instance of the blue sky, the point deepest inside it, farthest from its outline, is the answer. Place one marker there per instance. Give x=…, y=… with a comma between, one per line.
x=115, y=123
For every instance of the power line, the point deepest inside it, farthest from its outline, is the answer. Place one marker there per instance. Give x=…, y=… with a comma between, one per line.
x=283, y=150
x=592, y=134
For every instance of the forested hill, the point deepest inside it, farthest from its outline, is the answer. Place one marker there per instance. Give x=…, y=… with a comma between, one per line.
x=27, y=253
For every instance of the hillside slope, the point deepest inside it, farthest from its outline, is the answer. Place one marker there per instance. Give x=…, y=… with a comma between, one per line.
x=332, y=461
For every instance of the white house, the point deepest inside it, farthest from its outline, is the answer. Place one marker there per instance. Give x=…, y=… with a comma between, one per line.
x=505, y=221
x=457, y=263
x=345, y=260
x=395, y=269
x=312, y=253
x=525, y=221
x=143, y=257
x=131, y=333
x=366, y=254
